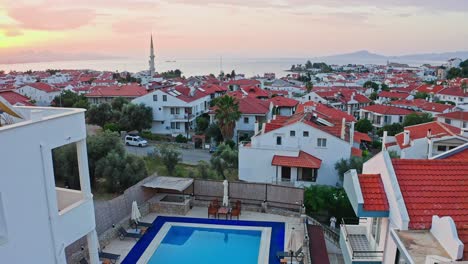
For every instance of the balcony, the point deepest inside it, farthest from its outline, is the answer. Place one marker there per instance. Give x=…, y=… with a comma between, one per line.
x=67, y=198
x=356, y=245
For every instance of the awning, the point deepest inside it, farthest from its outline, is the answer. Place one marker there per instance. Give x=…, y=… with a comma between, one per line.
x=303, y=160
x=169, y=183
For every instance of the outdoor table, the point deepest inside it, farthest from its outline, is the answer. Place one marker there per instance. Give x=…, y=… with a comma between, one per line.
x=223, y=211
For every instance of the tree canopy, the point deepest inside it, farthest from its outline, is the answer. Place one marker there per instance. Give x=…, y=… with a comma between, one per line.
x=70, y=99
x=224, y=158
x=364, y=125
x=417, y=118
x=170, y=158
x=227, y=113
x=136, y=117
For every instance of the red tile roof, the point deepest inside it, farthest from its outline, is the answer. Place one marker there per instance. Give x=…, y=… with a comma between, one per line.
x=424, y=105
x=280, y=101
x=14, y=98
x=325, y=111
x=387, y=110
x=435, y=187
x=458, y=115
x=438, y=130
x=303, y=160
x=131, y=90
x=462, y=155
x=393, y=95
x=43, y=87
x=360, y=137
x=373, y=192
x=356, y=152
x=454, y=91
x=250, y=105
x=428, y=88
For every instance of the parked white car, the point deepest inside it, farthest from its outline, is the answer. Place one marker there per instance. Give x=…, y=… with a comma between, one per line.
x=134, y=140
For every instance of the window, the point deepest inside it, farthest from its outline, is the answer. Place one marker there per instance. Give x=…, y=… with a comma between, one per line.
x=401, y=119
x=448, y=121
x=321, y=142
x=177, y=125
x=441, y=148
x=173, y=125
x=305, y=133
x=376, y=229
x=278, y=140
x=465, y=124
x=292, y=133
x=246, y=120
x=451, y=147
x=164, y=97
x=172, y=111
x=308, y=174
x=155, y=97
x=177, y=111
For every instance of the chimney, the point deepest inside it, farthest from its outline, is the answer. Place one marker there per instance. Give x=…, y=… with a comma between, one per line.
x=192, y=91
x=274, y=117
x=256, y=128
x=343, y=128
x=406, y=137
x=384, y=139
x=429, y=133
x=351, y=134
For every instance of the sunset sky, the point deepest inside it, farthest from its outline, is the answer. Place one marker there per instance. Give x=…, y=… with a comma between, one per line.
x=242, y=28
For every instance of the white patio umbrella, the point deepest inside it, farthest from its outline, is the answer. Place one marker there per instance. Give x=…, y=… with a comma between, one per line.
x=225, y=196
x=135, y=213
x=293, y=243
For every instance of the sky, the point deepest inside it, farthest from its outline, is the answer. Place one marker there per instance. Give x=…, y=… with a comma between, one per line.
x=230, y=28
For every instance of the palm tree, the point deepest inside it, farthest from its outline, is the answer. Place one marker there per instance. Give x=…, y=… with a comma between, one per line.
x=227, y=113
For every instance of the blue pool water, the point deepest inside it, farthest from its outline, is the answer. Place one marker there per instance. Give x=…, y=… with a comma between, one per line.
x=183, y=245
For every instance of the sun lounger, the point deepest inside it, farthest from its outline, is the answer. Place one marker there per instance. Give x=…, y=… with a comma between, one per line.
x=112, y=257
x=288, y=254
x=123, y=234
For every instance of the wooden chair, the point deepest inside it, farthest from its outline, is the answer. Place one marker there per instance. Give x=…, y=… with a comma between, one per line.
x=215, y=203
x=212, y=210
x=235, y=212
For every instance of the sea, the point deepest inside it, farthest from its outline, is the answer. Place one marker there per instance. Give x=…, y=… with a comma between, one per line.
x=189, y=67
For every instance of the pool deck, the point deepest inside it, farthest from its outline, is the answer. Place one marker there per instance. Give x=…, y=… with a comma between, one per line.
x=123, y=247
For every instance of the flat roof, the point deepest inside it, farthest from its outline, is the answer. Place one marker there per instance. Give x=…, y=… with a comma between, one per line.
x=421, y=243
x=169, y=183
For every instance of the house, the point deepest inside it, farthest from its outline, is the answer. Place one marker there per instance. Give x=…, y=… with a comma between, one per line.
x=299, y=150
x=346, y=100
x=234, y=85
x=386, y=96
x=457, y=95
x=41, y=93
x=15, y=98
x=426, y=140
x=410, y=211
x=38, y=218
x=424, y=106
x=381, y=115
x=283, y=106
x=253, y=112
x=105, y=94
x=176, y=108
x=457, y=119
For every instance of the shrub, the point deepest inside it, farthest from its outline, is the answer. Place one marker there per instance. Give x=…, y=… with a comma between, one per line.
x=114, y=127
x=181, y=139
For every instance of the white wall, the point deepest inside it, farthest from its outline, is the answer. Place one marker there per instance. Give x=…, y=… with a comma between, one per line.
x=36, y=232
x=42, y=98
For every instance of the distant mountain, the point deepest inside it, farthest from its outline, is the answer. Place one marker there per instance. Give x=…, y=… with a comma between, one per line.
x=366, y=57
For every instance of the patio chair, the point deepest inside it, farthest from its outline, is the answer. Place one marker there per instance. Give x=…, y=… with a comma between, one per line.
x=109, y=256
x=215, y=203
x=235, y=212
x=141, y=224
x=288, y=254
x=238, y=205
x=123, y=234
x=212, y=210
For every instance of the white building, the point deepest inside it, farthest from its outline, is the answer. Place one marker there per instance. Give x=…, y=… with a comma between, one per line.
x=457, y=119
x=42, y=93
x=410, y=211
x=176, y=108
x=426, y=140
x=300, y=150
x=38, y=220
x=381, y=115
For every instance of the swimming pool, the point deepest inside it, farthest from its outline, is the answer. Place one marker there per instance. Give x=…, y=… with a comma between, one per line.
x=198, y=240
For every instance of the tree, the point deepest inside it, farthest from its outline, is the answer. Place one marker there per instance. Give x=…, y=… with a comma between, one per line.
x=371, y=84
x=224, y=158
x=118, y=103
x=373, y=96
x=233, y=74
x=170, y=157
x=136, y=117
x=120, y=171
x=203, y=169
x=100, y=114
x=343, y=165
x=384, y=87
x=417, y=118
x=227, y=113
x=308, y=64
x=392, y=129
x=323, y=199
x=309, y=86
x=364, y=125
x=202, y=124
x=213, y=132
x=70, y=99
x=454, y=73
x=421, y=95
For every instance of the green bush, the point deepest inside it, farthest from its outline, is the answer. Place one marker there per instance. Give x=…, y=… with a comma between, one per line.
x=114, y=127
x=181, y=139
x=329, y=201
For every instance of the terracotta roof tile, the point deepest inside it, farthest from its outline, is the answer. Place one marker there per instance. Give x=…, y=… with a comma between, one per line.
x=458, y=115
x=437, y=128
x=373, y=192
x=303, y=160
x=387, y=110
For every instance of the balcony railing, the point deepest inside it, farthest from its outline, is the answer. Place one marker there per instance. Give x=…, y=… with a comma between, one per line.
x=359, y=246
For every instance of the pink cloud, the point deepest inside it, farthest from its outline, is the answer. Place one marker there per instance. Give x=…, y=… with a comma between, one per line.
x=46, y=18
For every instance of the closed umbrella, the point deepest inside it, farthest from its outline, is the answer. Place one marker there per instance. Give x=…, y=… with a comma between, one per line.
x=135, y=213
x=225, y=196
x=293, y=243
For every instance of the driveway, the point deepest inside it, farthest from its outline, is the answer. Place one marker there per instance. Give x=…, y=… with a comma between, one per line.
x=189, y=156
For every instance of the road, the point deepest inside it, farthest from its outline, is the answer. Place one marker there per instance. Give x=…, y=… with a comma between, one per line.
x=189, y=156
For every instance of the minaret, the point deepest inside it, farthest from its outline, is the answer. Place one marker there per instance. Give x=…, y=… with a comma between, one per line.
x=151, y=61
